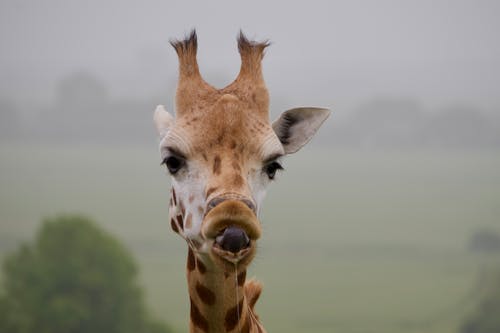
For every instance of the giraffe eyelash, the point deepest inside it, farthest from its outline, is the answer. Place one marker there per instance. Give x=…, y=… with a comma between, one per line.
x=271, y=168
x=173, y=163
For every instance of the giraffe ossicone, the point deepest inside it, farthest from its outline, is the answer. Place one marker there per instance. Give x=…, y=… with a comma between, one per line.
x=222, y=151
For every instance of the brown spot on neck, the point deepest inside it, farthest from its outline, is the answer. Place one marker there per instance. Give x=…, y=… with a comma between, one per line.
x=241, y=278
x=205, y=294
x=233, y=315
x=197, y=318
x=201, y=266
x=191, y=260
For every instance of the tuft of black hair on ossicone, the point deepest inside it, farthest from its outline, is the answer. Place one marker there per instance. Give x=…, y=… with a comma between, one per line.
x=186, y=45
x=245, y=45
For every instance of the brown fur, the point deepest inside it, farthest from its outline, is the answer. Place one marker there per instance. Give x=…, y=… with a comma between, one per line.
x=186, y=50
x=197, y=318
x=205, y=294
x=253, y=289
x=191, y=261
x=223, y=130
x=195, y=96
x=215, y=307
x=251, y=55
x=223, y=147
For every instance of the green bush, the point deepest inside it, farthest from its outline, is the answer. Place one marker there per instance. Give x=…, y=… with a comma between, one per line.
x=75, y=278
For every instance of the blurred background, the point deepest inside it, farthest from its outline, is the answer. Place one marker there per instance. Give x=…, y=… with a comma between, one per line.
x=388, y=221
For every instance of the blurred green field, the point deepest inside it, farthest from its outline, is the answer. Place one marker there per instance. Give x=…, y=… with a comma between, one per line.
x=354, y=241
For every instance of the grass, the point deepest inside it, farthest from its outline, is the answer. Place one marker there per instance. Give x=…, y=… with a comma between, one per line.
x=353, y=241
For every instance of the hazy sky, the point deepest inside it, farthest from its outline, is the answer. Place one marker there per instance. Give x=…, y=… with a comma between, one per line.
x=332, y=53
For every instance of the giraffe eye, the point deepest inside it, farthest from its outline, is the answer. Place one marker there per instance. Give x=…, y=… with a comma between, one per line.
x=271, y=168
x=174, y=164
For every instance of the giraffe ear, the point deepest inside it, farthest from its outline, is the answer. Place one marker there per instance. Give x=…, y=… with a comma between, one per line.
x=163, y=120
x=297, y=126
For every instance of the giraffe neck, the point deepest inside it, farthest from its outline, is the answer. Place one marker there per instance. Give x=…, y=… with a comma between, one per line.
x=221, y=301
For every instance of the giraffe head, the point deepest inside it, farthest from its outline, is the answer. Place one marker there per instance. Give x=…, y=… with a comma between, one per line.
x=222, y=152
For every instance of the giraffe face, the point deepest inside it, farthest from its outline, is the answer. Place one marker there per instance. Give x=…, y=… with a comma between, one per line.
x=222, y=152
x=220, y=162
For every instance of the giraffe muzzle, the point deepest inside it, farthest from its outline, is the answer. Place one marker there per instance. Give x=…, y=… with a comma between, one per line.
x=230, y=196
x=232, y=225
x=231, y=213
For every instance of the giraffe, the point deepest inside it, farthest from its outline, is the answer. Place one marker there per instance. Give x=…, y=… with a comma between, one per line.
x=221, y=152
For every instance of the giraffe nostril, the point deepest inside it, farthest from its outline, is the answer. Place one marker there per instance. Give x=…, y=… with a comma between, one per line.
x=249, y=204
x=216, y=201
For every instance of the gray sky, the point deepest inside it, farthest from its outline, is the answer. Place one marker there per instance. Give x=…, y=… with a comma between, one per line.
x=332, y=53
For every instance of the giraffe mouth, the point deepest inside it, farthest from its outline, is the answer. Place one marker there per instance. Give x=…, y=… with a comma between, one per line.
x=232, y=257
x=232, y=239
x=232, y=244
x=233, y=228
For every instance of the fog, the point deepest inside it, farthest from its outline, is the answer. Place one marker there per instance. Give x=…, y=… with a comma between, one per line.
x=410, y=63
x=338, y=54
x=399, y=189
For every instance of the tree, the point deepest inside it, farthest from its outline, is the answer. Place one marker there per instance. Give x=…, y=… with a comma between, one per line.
x=75, y=278
x=485, y=241
x=486, y=318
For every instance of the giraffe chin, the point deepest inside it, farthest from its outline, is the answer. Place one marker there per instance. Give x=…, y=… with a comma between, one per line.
x=232, y=213
x=234, y=258
x=227, y=261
